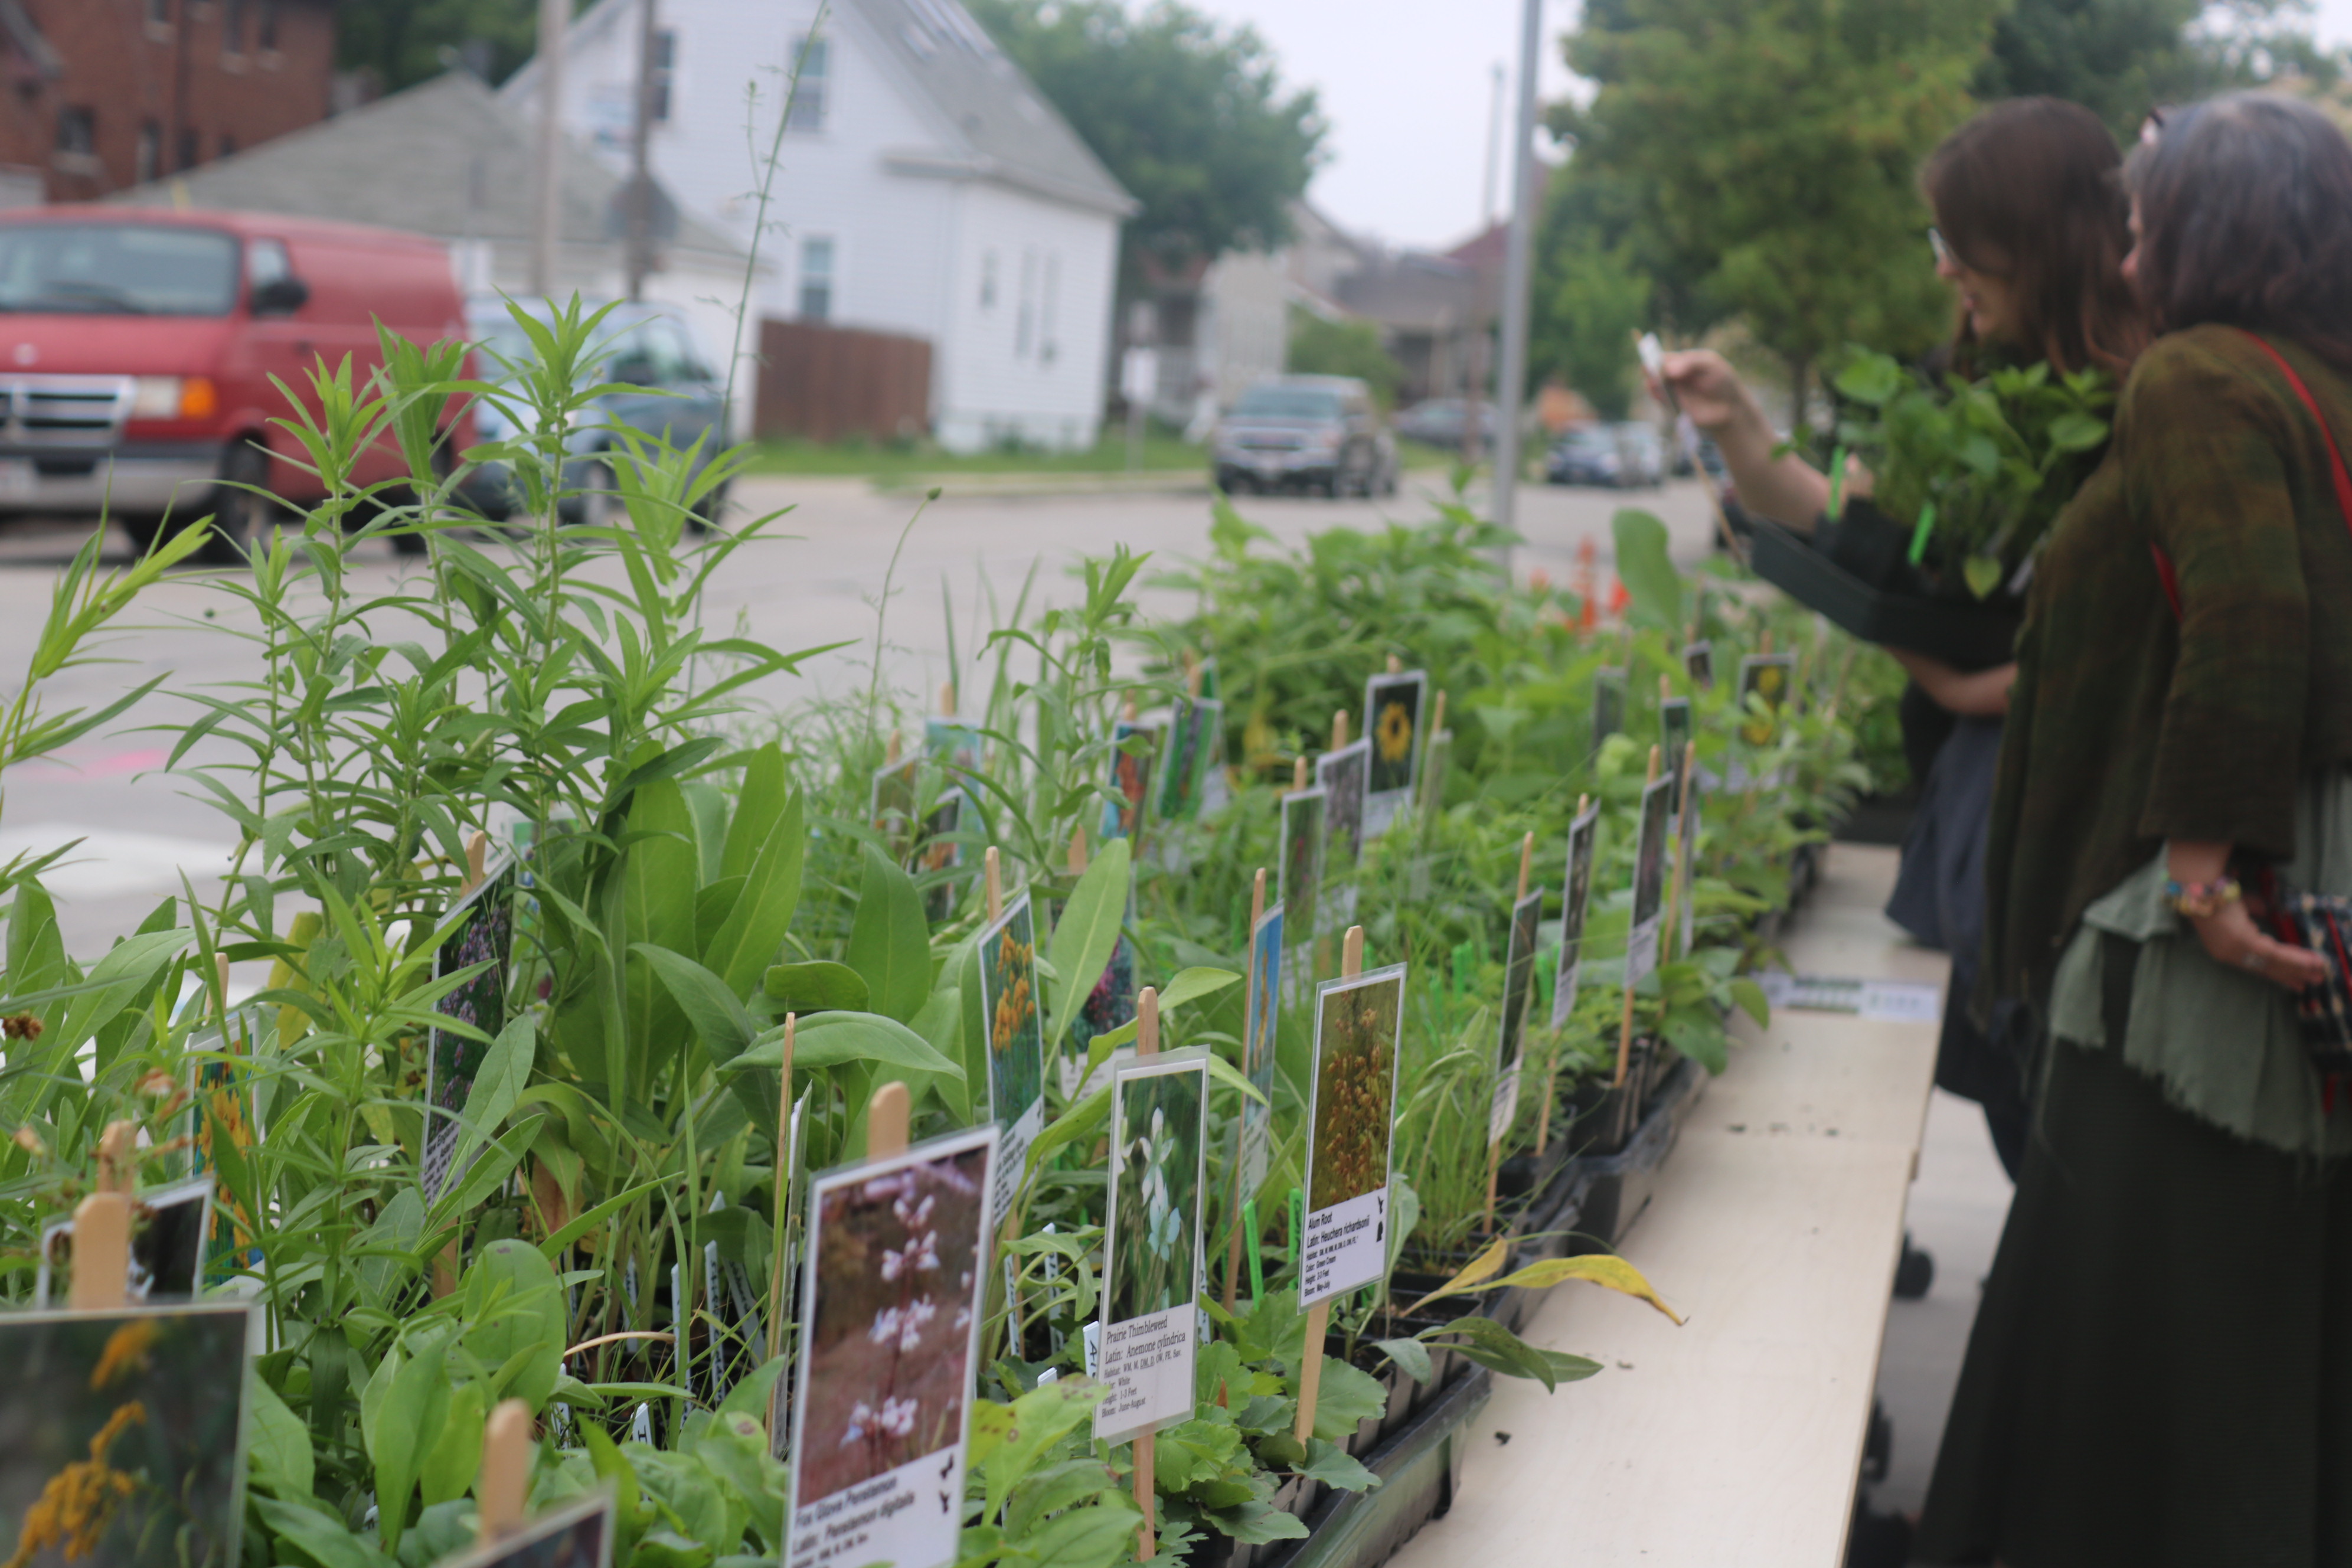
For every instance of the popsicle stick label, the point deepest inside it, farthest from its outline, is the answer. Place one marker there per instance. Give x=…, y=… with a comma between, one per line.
x=1352, y=1117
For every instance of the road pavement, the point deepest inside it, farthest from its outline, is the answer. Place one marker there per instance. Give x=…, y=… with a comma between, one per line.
x=820, y=581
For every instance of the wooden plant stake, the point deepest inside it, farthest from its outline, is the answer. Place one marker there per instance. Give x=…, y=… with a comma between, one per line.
x=1195, y=672
x=1495, y=1145
x=1396, y=665
x=1340, y=730
x=101, y=1248
x=1299, y=776
x=1249, y=984
x=1126, y=712
x=885, y=1121
x=220, y=991
x=1625, y=1029
x=1437, y=716
x=890, y=753
x=478, y=859
x=505, y=1480
x=1318, y=1316
x=783, y=1188
x=1551, y=1073
x=1079, y=854
x=1147, y=1046
x=995, y=887
x=947, y=699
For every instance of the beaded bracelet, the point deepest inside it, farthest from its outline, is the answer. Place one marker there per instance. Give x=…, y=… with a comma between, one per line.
x=2202, y=900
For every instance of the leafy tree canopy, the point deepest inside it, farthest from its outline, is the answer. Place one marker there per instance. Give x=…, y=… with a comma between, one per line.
x=1319, y=347
x=1192, y=117
x=2123, y=58
x=1769, y=151
x=404, y=41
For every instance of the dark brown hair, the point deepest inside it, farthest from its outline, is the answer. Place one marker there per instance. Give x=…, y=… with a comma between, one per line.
x=2245, y=212
x=2031, y=190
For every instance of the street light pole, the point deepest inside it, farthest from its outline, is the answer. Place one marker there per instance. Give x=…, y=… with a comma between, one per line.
x=555, y=19
x=1516, y=269
x=640, y=180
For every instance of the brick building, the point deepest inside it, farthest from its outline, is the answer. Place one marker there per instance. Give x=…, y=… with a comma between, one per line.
x=99, y=95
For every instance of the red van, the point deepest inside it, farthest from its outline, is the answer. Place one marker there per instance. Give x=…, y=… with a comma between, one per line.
x=136, y=348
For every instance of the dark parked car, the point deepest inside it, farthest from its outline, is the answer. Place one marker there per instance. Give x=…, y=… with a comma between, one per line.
x=1440, y=421
x=1617, y=455
x=1317, y=432
x=673, y=393
x=1645, y=453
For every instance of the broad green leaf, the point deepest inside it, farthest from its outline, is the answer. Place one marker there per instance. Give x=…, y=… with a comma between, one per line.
x=406, y=1428
x=1598, y=1268
x=889, y=946
x=505, y=1067
x=758, y=809
x=321, y=1536
x=1749, y=998
x=1643, y=567
x=1039, y=1418
x=1088, y=1118
x=553, y=1245
x=489, y=1173
x=128, y=968
x=747, y=941
x=1346, y=1398
x=1335, y=1466
x=1099, y=1535
x=1190, y=985
x=1495, y=1347
x=816, y=987
x=659, y=876
x=2076, y=432
x=518, y=1286
x=710, y=1003
x=449, y=1470
x=832, y=1039
x=280, y=1448
x=1478, y=1269
x=1411, y=1355
x=1257, y=1522
x=1087, y=934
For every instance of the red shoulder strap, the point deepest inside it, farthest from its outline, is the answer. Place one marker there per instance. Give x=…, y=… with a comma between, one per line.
x=2164, y=569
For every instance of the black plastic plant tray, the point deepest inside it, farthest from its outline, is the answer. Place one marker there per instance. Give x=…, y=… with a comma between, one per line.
x=1621, y=1183
x=1971, y=636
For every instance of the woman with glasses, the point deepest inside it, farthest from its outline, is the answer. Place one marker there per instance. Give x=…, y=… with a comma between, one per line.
x=2031, y=232
x=2161, y=1372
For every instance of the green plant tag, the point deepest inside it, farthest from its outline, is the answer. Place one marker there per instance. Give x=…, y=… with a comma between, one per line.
x=1919, y=534
x=1251, y=1234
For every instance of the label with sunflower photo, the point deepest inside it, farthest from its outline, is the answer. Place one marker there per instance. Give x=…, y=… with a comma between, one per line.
x=1152, y=1251
x=1016, y=1042
x=1350, y=1120
x=1768, y=677
x=1393, y=706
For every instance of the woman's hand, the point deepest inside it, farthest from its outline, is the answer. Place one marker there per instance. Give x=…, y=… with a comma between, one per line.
x=1982, y=693
x=1709, y=390
x=2230, y=935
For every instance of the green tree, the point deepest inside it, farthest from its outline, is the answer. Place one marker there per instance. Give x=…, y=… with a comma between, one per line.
x=2123, y=58
x=1192, y=117
x=1320, y=347
x=1769, y=149
x=1593, y=293
x=405, y=41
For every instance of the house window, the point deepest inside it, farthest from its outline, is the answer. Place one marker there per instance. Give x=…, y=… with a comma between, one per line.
x=232, y=27
x=187, y=151
x=816, y=279
x=1025, y=324
x=987, y=281
x=665, y=66
x=228, y=145
x=77, y=130
x=268, y=40
x=148, y=162
x=813, y=60
x=1048, y=348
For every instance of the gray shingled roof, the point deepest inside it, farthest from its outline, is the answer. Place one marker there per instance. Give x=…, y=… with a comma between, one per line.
x=444, y=158
x=1002, y=119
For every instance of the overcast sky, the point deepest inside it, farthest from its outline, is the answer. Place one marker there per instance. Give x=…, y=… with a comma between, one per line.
x=1408, y=89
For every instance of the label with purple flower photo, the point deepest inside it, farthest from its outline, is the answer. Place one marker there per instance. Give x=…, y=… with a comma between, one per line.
x=898, y=1257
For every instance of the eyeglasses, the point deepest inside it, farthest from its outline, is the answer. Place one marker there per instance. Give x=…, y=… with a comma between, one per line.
x=1945, y=255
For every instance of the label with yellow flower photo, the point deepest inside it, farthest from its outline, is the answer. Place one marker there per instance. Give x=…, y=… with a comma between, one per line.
x=124, y=1439
x=1152, y=1254
x=1767, y=678
x=1350, y=1118
x=1392, y=709
x=1016, y=1041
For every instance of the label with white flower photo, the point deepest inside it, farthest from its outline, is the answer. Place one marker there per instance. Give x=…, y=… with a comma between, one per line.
x=1351, y=1122
x=1152, y=1251
x=898, y=1253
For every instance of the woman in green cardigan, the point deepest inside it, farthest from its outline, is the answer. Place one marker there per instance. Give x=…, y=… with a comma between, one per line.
x=2161, y=1368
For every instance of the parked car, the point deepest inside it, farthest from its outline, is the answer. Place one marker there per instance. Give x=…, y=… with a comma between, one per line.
x=138, y=348
x=673, y=394
x=1440, y=421
x=1645, y=453
x=1587, y=455
x=1306, y=432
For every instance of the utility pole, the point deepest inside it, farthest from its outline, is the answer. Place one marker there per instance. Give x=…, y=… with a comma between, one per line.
x=1494, y=148
x=555, y=19
x=1516, y=268
x=640, y=180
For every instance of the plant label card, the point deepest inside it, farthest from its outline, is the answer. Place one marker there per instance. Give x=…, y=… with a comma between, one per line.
x=1132, y=748
x=1608, y=704
x=126, y=1434
x=1429, y=793
x=897, y=1260
x=1344, y=775
x=890, y=807
x=1193, y=726
x=1767, y=677
x=1879, y=1001
x=1576, y=904
x=787, y=1274
x=1698, y=663
x=170, y=1231
x=1393, y=707
x=1649, y=886
x=953, y=743
x=1109, y=1005
x=1299, y=870
x=1016, y=1042
x=1350, y=1118
x=482, y=931
x=222, y=1103
x=1260, y=1018
x=1674, y=740
x=1151, y=1248
x=1518, y=996
x=1686, y=851
x=578, y=1534
x=939, y=853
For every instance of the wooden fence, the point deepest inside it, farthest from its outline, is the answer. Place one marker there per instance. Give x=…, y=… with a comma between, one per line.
x=823, y=384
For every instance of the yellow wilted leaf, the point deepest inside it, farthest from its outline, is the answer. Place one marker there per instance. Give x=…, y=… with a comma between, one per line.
x=1472, y=1273
x=1600, y=1268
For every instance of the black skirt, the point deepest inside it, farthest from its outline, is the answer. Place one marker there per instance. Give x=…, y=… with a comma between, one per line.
x=2160, y=1374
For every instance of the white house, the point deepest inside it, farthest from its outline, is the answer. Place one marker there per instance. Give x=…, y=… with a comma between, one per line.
x=923, y=188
